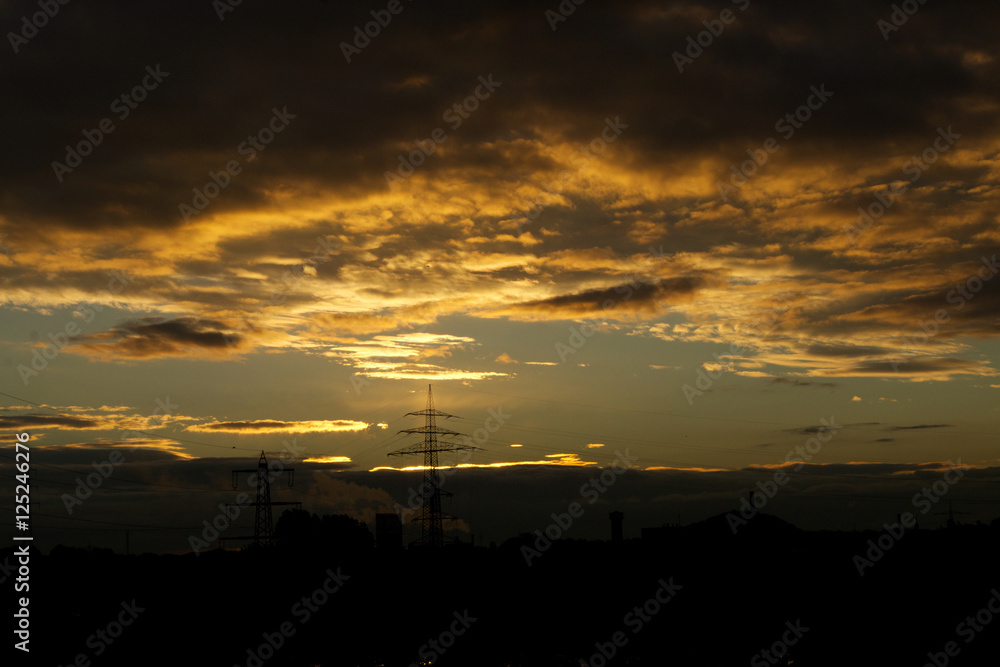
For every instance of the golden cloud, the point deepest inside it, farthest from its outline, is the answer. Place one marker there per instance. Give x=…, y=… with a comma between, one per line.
x=268, y=426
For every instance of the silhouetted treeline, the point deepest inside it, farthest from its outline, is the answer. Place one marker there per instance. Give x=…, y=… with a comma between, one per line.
x=687, y=595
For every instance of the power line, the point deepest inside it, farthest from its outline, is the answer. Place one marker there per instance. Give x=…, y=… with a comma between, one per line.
x=110, y=523
x=41, y=406
x=661, y=413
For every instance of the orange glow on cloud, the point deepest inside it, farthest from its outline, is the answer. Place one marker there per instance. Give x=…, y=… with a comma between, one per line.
x=694, y=469
x=267, y=426
x=167, y=446
x=557, y=460
x=328, y=459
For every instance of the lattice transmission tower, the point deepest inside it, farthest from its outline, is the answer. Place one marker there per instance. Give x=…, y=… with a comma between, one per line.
x=431, y=516
x=951, y=516
x=263, y=527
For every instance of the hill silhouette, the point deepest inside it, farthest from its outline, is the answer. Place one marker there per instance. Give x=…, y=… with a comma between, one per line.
x=695, y=594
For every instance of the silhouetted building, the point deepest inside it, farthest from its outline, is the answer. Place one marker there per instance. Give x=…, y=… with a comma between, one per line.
x=616, y=527
x=388, y=532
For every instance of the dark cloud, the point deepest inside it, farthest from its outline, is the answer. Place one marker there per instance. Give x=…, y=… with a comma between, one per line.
x=620, y=301
x=590, y=149
x=845, y=351
x=134, y=450
x=799, y=382
x=904, y=366
x=52, y=421
x=150, y=337
x=833, y=426
x=218, y=92
x=961, y=303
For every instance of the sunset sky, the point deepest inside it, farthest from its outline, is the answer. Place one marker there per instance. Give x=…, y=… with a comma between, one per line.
x=221, y=231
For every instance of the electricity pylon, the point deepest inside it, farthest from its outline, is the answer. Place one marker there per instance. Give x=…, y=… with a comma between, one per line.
x=432, y=534
x=263, y=528
x=951, y=515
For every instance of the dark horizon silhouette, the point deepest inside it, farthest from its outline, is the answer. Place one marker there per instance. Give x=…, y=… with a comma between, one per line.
x=719, y=597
